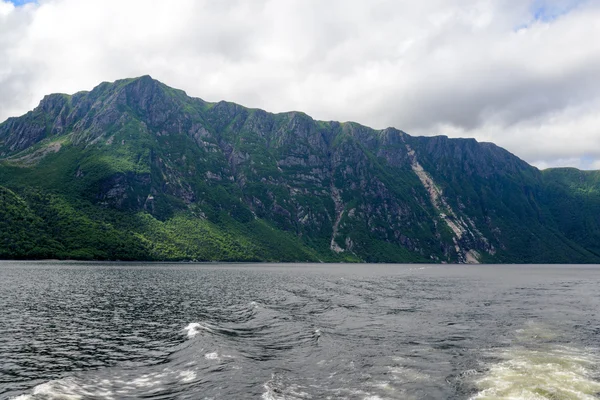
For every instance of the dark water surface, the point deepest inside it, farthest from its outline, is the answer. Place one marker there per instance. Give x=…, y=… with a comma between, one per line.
x=251, y=331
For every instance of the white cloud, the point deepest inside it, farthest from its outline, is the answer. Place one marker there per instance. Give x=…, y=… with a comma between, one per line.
x=520, y=74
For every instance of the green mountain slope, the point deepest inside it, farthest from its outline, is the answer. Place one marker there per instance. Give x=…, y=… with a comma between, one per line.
x=137, y=170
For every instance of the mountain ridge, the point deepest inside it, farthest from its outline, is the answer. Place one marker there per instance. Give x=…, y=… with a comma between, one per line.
x=244, y=180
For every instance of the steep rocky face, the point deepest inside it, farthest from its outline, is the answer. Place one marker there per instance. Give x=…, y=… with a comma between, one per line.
x=48, y=118
x=342, y=189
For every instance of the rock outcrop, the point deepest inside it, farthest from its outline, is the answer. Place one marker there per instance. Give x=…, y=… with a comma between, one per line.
x=139, y=146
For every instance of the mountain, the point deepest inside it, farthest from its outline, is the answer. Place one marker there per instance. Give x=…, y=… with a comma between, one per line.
x=136, y=170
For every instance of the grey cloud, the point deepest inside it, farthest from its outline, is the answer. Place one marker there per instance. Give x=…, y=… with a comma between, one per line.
x=487, y=70
x=507, y=96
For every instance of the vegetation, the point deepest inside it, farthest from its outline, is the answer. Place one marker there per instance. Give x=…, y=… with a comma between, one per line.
x=135, y=170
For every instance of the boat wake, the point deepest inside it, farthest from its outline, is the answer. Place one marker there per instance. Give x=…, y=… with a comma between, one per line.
x=539, y=368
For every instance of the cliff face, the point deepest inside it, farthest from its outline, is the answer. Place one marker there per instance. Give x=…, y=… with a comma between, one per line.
x=255, y=185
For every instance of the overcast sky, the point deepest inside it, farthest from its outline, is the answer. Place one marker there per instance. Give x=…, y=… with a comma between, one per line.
x=522, y=74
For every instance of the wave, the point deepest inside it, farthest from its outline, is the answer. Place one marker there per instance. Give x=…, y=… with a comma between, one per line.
x=196, y=327
x=128, y=385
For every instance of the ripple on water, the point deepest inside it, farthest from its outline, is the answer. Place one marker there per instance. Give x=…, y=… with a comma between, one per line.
x=178, y=332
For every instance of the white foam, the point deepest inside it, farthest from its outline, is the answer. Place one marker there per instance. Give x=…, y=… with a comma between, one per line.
x=196, y=327
x=211, y=356
x=112, y=388
x=187, y=376
x=270, y=393
x=65, y=389
x=276, y=390
x=385, y=385
x=405, y=375
x=555, y=372
x=145, y=381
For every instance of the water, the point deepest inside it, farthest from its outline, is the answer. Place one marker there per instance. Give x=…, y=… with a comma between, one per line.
x=243, y=331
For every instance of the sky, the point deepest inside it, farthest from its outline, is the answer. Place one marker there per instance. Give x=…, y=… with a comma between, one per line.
x=524, y=74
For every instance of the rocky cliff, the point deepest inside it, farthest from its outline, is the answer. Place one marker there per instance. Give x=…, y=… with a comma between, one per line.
x=136, y=162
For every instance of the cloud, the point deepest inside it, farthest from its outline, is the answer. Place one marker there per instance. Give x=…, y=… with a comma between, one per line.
x=520, y=74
